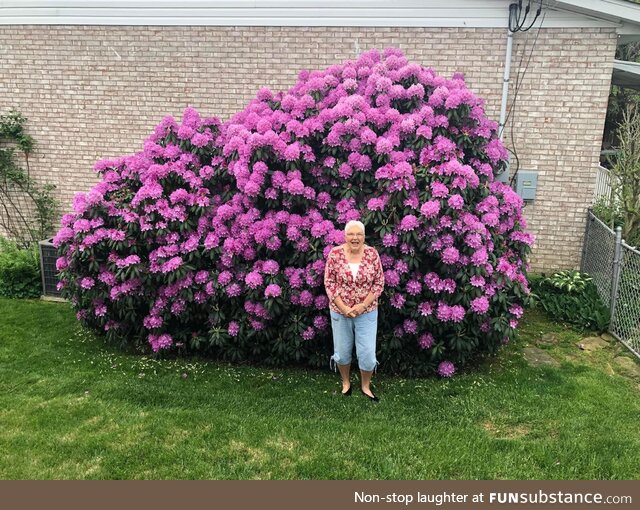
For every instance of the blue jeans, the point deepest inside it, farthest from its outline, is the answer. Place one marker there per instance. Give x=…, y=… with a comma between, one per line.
x=362, y=331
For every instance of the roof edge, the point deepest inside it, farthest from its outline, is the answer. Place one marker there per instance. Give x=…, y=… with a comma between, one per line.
x=613, y=10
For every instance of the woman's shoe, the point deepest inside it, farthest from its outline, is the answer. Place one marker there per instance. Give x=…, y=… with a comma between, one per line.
x=347, y=393
x=372, y=398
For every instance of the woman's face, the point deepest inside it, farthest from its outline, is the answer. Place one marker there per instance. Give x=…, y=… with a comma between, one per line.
x=355, y=237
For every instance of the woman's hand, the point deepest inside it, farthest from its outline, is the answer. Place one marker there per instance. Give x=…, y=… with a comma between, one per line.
x=354, y=311
x=350, y=312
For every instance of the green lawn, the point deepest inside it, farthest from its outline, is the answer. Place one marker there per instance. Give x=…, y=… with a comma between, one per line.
x=72, y=406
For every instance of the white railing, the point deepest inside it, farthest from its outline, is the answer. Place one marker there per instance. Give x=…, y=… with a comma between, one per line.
x=603, y=190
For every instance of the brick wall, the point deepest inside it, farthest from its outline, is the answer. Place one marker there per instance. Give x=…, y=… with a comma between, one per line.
x=557, y=130
x=97, y=91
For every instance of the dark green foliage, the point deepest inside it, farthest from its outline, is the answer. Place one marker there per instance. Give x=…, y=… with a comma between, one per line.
x=19, y=271
x=613, y=217
x=607, y=213
x=572, y=297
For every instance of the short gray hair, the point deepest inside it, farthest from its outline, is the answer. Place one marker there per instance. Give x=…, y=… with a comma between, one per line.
x=354, y=223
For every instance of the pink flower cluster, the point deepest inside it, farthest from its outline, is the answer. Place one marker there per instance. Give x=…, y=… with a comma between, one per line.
x=226, y=228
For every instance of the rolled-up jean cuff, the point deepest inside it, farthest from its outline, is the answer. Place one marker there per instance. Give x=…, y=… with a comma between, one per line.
x=367, y=369
x=336, y=360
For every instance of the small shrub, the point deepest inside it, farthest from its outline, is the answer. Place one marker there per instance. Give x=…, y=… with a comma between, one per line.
x=19, y=271
x=572, y=297
x=612, y=216
x=608, y=213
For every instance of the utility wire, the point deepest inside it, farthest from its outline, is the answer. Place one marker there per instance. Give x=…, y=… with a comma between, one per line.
x=515, y=11
x=519, y=80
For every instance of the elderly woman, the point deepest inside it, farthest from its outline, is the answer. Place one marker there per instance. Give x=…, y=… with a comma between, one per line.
x=354, y=281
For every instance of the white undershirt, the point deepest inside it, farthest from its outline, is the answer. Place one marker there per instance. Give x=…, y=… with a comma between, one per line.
x=354, y=269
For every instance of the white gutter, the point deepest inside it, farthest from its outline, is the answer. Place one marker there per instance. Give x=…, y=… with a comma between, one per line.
x=374, y=13
x=504, y=176
x=505, y=83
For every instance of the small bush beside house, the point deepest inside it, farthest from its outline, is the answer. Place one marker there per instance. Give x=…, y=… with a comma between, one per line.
x=572, y=297
x=19, y=271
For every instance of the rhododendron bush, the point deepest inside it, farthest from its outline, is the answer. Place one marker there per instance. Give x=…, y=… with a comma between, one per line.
x=214, y=237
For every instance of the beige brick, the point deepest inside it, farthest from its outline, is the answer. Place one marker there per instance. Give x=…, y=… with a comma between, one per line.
x=92, y=92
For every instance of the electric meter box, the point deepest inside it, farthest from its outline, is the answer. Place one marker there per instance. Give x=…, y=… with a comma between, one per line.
x=526, y=184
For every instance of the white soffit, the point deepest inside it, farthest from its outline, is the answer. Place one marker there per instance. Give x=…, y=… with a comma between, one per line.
x=615, y=10
x=361, y=13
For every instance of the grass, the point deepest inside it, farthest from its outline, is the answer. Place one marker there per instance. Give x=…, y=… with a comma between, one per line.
x=74, y=407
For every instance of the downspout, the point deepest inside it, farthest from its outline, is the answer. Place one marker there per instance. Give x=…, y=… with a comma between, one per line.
x=504, y=176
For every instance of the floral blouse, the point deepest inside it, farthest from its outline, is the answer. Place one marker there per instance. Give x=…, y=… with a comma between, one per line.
x=339, y=281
